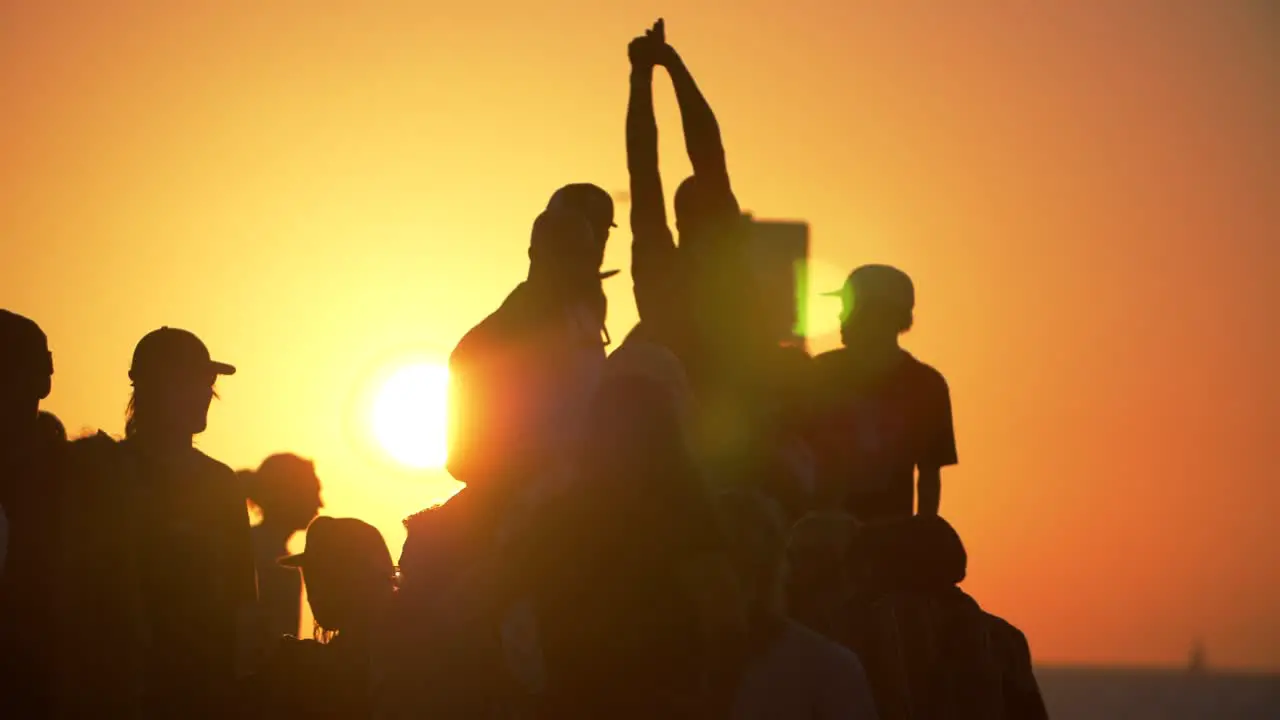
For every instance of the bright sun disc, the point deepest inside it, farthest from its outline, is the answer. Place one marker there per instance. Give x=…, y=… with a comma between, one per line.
x=411, y=416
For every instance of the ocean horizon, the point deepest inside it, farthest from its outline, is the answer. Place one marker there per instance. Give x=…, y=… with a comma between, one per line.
x=1134, y=693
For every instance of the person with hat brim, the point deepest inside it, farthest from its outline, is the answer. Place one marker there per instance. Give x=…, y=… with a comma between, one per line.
x=350, y=582
x=30, y=444
x=520, y=383
x=883, y=425
x=195, y=563
x=286, y=491
x=594, y=204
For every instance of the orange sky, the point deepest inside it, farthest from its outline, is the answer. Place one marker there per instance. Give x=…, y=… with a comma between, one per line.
x=1087, y=195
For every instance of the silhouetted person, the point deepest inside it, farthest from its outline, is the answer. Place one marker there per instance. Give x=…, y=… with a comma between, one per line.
x=522, y=377
x=696, y=298
x=195, y=560
x=30, y=445
x=286, y=491
x=350, y=584
x=520, y=381
x=792, y=671
x=819, y=583
x=699, y=299
x=930, y=651
x=882, y=415
x=629, y=579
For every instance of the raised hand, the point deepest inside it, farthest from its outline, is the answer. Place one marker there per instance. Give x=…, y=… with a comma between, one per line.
x=646, y=50
x=663, y=54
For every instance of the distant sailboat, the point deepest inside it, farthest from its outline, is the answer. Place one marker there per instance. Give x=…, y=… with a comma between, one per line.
x=1198, y=664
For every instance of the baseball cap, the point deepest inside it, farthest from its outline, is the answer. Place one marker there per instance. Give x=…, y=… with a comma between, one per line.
x=342, y=542
x=562, y=234
x=25, y=352
x=593, y=203
x=878, y=284
x=169, y=351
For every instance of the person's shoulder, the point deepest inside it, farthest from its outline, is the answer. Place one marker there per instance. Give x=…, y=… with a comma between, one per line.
x=923, y=371
x=1006, y=633
x=924, y=376
x=212, y=468
x=831, y=360
x=94, y=449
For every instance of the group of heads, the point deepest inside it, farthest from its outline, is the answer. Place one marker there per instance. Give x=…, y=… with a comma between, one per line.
x=172, y=375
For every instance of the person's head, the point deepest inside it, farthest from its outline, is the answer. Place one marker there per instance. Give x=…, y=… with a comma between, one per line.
x=173, y=378
x=877, y=302
x=755, y=531
x=26, y=371
x=818, y=548
x=563, y=257
x=51, y=427
x=591, y=202
x=940, y=556
x=287, y=491
x=700, y=211
x=348, y=573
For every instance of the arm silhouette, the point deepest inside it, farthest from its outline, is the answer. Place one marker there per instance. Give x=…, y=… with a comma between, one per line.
x=701, y=131
x=652, y=245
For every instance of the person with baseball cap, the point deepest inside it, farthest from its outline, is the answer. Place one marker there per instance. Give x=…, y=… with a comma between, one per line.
x=883, y=424
x=195, y=562
x=596, y=205
x=30, y=444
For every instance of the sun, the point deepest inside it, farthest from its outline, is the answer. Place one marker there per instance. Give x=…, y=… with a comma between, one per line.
x=411, y=416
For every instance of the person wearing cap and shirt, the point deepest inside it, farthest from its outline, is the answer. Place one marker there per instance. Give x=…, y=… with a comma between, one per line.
x=520, y=384
x=350, y=584
x=195, y=562
x=882, y=415
x=29, y=456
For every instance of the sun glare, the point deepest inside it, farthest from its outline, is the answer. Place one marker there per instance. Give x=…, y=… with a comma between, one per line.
x=411, y=417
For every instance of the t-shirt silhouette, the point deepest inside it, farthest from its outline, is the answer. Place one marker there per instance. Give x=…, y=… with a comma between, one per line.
x=873, y=429
x=197, y=570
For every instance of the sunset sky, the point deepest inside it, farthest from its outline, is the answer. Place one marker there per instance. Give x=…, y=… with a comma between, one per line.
x=1086, y=193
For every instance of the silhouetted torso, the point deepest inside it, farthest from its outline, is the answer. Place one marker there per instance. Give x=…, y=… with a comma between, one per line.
x=196, y=570
x=873, y=428
x=30, y=491
x=308, y=679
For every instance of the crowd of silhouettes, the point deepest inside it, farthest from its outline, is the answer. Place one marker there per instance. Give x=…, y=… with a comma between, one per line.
x=702, y=523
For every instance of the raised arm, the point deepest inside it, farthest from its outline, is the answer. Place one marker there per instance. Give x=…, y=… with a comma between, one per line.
x=653, y=248
x=648, y=207
x=701, y=131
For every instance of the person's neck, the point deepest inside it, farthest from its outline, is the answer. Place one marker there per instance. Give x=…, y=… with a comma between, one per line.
x=875, y=352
